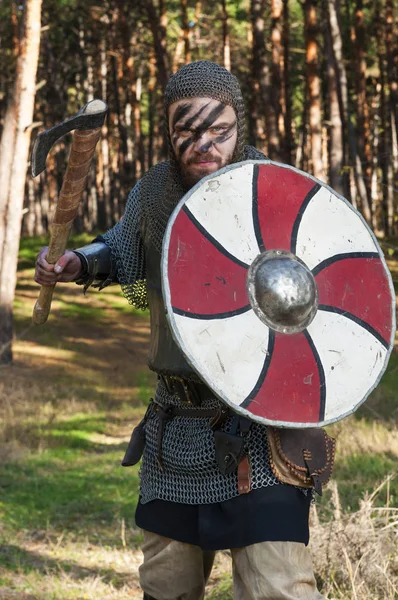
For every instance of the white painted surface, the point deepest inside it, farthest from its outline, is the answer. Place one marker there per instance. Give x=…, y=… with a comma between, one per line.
x=352, y=359
x=223, y=206
x=231, y=351
x=328, y=227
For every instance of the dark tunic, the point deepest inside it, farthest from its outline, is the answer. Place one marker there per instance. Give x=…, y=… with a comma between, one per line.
x=276, y=513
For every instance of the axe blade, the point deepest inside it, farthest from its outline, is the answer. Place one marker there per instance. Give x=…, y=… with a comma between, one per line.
x=91, y=116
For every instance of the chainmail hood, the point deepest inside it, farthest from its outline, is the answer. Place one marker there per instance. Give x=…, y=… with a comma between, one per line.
x=205, y=79
x=153, y=199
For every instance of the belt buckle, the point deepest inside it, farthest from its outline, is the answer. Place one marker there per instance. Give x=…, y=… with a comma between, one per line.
x=185, y=387
x=219, y=419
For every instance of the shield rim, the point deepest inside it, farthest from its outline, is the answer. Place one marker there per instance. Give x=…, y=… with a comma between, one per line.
x=174, y=329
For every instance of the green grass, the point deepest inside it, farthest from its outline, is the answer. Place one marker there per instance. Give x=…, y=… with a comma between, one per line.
x=70, y=489
x=359, y=474
x=76, y=310
x=223, y=590
x=75, y=485
x=383, y=402
x=145, y=382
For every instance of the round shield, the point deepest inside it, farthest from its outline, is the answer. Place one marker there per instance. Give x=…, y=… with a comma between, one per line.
x=278, y=294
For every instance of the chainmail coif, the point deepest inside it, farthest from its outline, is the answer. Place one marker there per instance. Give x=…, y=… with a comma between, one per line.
x=204, y=79
x=154, y=198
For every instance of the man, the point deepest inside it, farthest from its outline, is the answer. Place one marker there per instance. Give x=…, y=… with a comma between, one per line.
x=190, y=506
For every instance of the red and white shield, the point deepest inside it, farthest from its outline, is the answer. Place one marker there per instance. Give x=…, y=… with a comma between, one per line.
x=234, y=241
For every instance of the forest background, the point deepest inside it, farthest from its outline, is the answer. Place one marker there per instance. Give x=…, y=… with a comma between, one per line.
x=320, y=81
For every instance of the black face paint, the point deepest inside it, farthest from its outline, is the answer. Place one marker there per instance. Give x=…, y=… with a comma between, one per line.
x=206, y=147
x=185, y=145
x=206, y=124
x=189, y=122
x=225, y=135
x=220, y=139
x=180, y=113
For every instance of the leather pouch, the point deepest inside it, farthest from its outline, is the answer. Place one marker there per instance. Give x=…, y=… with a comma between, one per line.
x=229, y=451
x=136, y=446
x=301, y=457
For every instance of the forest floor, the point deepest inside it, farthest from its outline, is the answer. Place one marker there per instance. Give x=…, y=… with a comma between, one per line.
x=68, y=403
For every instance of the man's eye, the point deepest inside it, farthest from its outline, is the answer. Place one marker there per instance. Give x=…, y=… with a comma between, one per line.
x=217, y=129
x=184, y=133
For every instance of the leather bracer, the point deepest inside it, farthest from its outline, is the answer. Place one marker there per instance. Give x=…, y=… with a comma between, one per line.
x=99, y=268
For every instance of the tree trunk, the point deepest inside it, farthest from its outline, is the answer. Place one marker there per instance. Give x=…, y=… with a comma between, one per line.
x=376, y=197
x=197, y=30
x=183, y=44
x=345, y=107
x=14, y=24
x=287, y=95
x=158, y=22
x=105, y=207
x=394, y=164
x=392, y=59
x=277, y=65
x=12, y=184
x=261, y=104
x=362, y=109
x=385, y=124
x=392, y=79
x=177, y=60
x=302, y=155
x=336, y=141
x=140, y=152
x=314, y=88
x=225, y=36
x=151, y=110
x=185, y=30
x=256, y=129
x=336, y=146
x=129, y=45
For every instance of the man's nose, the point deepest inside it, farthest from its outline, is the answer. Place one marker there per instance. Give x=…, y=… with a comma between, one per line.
x=203, y=143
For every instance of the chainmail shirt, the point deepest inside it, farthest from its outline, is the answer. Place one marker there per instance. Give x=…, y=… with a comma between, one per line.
x=190, y=474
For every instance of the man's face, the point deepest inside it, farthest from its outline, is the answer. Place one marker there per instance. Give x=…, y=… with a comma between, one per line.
x=203, y=133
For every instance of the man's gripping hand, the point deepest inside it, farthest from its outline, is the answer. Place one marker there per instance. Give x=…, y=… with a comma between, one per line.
x=67, y=268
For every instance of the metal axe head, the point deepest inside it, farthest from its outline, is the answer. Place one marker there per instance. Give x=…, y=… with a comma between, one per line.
x=91, y=116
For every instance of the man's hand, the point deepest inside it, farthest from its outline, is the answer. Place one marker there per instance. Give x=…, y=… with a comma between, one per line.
x=67, y=268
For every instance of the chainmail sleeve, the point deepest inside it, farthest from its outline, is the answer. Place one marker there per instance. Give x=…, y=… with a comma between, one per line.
x=125, y=242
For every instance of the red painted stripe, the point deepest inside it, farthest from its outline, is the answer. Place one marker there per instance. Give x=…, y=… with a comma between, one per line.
x=202, y=279
x=291, y=389
x=280, y=194
x=359, y=286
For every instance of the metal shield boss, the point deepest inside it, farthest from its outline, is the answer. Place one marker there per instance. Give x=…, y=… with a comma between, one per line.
x=278, y=294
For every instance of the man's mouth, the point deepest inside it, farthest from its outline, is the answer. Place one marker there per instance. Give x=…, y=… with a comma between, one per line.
x=204, y=162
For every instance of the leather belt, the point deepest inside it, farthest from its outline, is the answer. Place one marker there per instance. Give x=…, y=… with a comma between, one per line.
x=190, y=392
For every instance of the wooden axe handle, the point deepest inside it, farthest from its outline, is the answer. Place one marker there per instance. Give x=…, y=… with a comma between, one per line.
x=83, y=148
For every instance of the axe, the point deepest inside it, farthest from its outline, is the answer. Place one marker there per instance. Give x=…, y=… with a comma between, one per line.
x=87, y=125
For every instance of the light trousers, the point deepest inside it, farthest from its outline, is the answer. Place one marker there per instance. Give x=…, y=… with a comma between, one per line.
x=266, y=571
